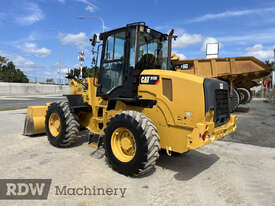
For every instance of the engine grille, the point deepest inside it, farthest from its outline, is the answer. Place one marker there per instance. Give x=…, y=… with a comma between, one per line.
x=222, y=106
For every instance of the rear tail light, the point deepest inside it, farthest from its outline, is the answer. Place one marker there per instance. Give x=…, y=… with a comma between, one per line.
x=203, y=136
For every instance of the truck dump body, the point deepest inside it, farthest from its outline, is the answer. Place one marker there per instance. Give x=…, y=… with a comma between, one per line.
x=241, y=73
x=241, y=70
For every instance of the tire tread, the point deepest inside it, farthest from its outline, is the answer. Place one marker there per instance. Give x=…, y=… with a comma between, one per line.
x=70, y=136
x=148, y=132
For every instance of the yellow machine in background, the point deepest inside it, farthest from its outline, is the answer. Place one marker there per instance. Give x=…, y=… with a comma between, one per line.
x=241, y=73
x=137, y=105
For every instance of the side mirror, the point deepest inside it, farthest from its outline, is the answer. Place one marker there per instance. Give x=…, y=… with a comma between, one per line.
x=171, y=34
x=93, y=40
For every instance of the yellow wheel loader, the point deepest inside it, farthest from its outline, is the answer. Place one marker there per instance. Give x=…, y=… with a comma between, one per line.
x=138, y=104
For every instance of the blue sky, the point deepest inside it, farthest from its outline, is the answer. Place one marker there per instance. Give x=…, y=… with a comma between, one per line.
x=35, y=32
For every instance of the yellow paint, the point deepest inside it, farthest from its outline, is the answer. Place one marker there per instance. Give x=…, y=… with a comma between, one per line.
x=123, y=144
x=54, y=124
x=213, y=134
x=36, y=116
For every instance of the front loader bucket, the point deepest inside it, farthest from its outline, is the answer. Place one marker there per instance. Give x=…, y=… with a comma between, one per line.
x=35, y=120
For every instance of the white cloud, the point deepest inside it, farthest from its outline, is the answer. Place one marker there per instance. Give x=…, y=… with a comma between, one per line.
x=209, y=40
x=79, y=40
x=231, y=14
x=90, y=9
x=185, y=40
x=48, y=74
x=57, y=65
x=266, y=36
x=90, y=6
x=258, y=51
x=32, y=37
x=64, y=70
x=57, y=70
x=20, y=62
x=86, y=2
x=33, y=49
x=181, y=55
x=33, y=15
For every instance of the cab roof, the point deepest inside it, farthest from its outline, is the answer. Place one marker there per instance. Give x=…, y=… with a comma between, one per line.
x=107, y=33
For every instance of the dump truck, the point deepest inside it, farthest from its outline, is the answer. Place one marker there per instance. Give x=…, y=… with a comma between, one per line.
x=241, y=73
x=137, y=104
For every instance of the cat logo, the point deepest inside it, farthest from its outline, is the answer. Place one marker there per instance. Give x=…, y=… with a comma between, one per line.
x=149, y=79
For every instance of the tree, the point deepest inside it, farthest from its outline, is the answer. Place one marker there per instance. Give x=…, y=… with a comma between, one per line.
x=86, y=72
x=9, y=73
x=50, y=80
x=3, y=60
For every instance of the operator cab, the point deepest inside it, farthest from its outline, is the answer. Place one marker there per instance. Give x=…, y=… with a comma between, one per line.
x=126, y=52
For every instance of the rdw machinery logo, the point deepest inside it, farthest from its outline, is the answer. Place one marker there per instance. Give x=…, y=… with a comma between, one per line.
x=24, y=189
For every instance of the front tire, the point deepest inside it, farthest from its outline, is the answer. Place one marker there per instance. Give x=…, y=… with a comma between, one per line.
x=131, y=143
x=61, y=124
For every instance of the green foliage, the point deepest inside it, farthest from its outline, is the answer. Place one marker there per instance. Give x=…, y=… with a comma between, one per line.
x=8, y=72
x=86, y=72
x=50, y=80
x=3, y=60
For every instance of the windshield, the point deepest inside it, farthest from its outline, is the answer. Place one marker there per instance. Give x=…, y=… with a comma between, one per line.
x=152, y=51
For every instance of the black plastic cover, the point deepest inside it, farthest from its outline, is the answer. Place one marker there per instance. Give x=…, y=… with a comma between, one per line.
x=216, y=95
x=76, y=103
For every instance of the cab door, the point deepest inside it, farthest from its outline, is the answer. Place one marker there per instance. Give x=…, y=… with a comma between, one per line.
x=113, y=64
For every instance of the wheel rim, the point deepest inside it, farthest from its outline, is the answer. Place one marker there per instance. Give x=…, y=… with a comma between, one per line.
x=123, y=144
x=54, y=124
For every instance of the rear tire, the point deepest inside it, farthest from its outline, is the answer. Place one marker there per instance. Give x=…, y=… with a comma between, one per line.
x=251, y=96
x=234, y=100
x=146, y=141
x=67, y=133
x=244, y=95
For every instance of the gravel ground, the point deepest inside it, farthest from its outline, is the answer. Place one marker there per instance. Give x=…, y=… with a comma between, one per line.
x=239, y=170
x=256, y=125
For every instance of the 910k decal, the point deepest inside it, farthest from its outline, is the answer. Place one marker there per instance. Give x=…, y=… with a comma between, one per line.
x=184, y=66
x=149, y=79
